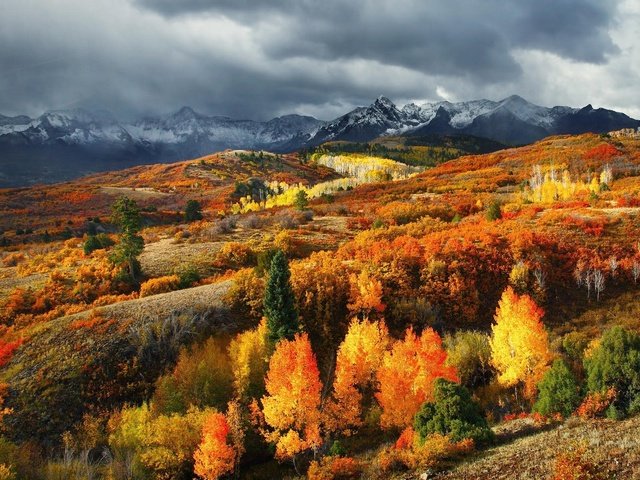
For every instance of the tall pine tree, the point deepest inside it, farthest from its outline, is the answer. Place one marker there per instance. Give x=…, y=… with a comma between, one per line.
x=279, y=302
x=126, y=215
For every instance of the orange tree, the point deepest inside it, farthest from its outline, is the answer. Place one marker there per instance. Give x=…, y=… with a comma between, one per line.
x=407, y=375
x=292, y=404
x=214, y=456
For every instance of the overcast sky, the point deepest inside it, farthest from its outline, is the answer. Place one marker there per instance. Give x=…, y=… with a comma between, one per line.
x=262, y=58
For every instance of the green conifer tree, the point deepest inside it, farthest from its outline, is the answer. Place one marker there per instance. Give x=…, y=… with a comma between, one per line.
x=126, y=215
x=279, y=302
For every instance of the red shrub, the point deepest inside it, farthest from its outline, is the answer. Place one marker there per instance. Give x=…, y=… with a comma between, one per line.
x=7, y=349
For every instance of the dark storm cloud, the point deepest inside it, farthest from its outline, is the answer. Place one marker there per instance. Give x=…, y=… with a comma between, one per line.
x=256, y=58
x=459, y=36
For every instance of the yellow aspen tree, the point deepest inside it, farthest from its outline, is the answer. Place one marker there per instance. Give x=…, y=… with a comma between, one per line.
x=248, y=352
x=519, y=342
x=359, y=356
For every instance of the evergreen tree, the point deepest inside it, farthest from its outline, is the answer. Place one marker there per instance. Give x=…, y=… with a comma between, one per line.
x=454, y=413
x=559, y=391
x=494, y=212
x=126, y=215
x=301, y=200
x=193, y=211
x=616, y=363
x=279, y=302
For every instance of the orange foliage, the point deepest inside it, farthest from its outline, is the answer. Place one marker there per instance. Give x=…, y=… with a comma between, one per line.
x=573, y=465
x=407, y=376
x=20, y=301
x=77, y=197
x=406, y=438
x=292, y=404
x=595, y=404
x=366, y=295
x=214, y=456
x=95, y=321
x=427, y=454
x=234, y=255
x=13, y=259
x=158, y=285
x=333, y=468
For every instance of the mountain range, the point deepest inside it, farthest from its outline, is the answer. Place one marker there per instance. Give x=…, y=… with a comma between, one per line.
x=65, y=144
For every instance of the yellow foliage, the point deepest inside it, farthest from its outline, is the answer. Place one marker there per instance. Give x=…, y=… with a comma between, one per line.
x=249, y=355
x=6, y=473
x=519, y=343
x=558, y=185
x=519, y=276
x=170, y=442
x=359, y=357
x=158, y=285
x=247, y=292
x=359, y=168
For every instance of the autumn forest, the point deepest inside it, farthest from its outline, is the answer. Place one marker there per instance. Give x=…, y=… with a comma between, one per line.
x=336, y=313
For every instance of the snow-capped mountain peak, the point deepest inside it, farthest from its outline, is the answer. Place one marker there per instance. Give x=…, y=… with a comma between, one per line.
x=187, y=133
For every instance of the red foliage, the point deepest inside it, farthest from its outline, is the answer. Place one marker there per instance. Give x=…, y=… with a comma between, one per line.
x=628, y=201
x=359, y=223
x=515, y=416
x=603, y=152
x=7, y=349
x=590, y=226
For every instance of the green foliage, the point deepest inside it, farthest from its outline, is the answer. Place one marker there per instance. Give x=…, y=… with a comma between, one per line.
x=193, y=211
x=263, y=261
x=279, y=301
x=574, y=345
x=97, y=242
x=494, y=212
x=616, y=363
x=426, y=151
x=377, y=223
x=301, y=201
x=559, y=391
x=469, y=351
x=187, y=275
x=126, y=215
x=452, y=413
x=9, y=457
x=337, y=449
